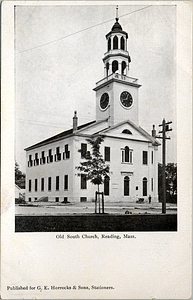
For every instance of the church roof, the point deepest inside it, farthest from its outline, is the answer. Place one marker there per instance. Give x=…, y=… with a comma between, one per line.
x=58, y=136
x=116, y=27
x=94, y=128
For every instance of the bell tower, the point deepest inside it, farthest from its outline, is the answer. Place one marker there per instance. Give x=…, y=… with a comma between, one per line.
x=117, y=93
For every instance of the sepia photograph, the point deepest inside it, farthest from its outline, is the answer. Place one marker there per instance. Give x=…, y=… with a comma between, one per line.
x=95, y=116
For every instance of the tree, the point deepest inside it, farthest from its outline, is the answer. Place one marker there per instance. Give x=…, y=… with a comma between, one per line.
x=94, y=166
x=171, y=182
x=19, y=176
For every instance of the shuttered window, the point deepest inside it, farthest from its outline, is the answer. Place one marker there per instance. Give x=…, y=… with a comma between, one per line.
x=83, y=184
x=107, y=153
x=145, y=157
x=83, y=150
x=65, y=182
x=57, y=183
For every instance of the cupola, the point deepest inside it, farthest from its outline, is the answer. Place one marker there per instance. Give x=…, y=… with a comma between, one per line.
x=116, y=59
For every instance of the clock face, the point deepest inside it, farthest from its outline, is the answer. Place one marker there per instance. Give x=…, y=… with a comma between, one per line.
x=104, y=101
x=126, y=99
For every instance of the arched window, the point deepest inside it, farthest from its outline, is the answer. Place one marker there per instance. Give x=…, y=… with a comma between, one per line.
x=144, y=186
x=122, y=43
x=127, y=131
x=126, y=185
x=115, y=42
x=126, y=154
x=123, y=67
x=106, y=185
x=107, y=68
x=115, y=66
x=109, y=44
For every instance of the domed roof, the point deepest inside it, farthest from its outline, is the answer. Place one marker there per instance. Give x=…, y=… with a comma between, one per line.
x=116, y=27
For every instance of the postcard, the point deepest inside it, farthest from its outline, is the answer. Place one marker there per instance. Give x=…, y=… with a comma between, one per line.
x=96, y=150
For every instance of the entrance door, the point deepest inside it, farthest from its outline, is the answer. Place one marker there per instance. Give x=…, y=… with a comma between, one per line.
x=126, y=186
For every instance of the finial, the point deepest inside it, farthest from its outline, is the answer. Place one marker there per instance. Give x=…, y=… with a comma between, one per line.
x=117, y=18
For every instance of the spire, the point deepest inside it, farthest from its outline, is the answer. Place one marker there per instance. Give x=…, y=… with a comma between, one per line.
x=117, y=14
x=117, y=27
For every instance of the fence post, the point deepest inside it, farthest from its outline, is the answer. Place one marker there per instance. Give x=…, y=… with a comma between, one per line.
x=95, y=202
x=103, y=208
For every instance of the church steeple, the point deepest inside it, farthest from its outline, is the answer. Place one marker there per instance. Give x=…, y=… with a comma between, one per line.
x=117, y=58
x=117, y=93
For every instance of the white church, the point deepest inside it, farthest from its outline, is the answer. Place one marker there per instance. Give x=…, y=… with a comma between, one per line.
x=129, y=150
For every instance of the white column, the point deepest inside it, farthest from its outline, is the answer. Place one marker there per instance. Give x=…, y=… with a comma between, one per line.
x=119, y=42
x=105, y=71
x=110, y=69
x=126, y=70
x=119, y=67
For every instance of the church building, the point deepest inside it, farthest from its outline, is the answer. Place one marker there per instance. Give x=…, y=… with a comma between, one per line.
x=130, y=151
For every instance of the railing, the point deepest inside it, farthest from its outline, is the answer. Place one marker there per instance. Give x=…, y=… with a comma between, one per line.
x=117, y=51
x=117, y=76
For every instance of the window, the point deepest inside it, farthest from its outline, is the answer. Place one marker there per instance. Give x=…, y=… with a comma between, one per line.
x=106, y=185
x=57, y=183
x=50, y=156
x=109, y=44
x=66, y=154
x=144, y=186
x=83, y=184
x=42, y=184
x=42, y=159
x=29, y=199
x=107, y=153
x=115, y=66
x=122, y=43
x=123, y=67
x=65, y=182
x=115, y=42
x=36, y=185
x=152, y=184
x=83, y=150
x=49, y=183
x=145, y=158
x=29, y=185
x=58, y=154
x=57, y=199
x=126, y=185
x=36, y=160
x=30, y=161
x=127, y=155
x=83, y=199
x=127, y=131
x=152, y=157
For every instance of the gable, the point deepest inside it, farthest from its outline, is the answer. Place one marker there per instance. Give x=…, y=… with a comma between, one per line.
x=128, y=130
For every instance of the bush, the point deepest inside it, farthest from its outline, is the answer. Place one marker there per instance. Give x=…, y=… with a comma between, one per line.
x=19, y=201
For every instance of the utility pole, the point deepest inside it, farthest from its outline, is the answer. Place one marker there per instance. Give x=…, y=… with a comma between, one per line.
x=165, y=128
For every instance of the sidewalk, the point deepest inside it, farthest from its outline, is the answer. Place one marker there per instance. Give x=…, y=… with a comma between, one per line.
x=117, y=208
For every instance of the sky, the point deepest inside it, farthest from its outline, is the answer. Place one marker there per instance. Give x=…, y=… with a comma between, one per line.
x=58, y=60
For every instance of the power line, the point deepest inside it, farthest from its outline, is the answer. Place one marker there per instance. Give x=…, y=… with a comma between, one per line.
x=79, y=31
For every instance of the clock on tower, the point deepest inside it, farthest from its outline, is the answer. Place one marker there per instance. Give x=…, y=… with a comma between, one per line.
x=117, y=92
